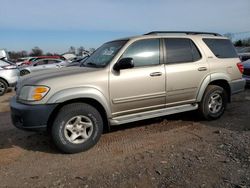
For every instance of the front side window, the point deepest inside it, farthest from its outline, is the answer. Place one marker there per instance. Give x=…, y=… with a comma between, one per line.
x=144, y=52
x=181, y=50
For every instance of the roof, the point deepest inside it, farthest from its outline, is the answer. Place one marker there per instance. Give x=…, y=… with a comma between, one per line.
x=156, y=34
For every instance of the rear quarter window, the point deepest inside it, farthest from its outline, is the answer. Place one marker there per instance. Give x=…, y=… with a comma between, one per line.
x=221, y=48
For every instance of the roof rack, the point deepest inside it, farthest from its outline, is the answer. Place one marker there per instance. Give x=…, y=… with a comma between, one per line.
x=183, y=32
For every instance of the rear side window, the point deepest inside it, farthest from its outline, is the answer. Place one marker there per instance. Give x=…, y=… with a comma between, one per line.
x=181, y=50
x=221, y=48
x=144, y=52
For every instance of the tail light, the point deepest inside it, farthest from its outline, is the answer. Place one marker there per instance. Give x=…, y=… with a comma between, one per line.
x=240, y=67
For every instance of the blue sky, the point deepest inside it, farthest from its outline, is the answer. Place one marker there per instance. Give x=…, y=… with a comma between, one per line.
x=55, y=25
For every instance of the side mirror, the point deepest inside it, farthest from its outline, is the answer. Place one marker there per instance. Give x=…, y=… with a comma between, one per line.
x=124, y=63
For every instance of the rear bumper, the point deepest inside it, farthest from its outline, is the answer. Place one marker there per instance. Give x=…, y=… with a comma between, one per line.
x=30, y=117
x=237, y=86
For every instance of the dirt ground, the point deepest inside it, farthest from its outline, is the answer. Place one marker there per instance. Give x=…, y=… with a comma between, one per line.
x=173, y=151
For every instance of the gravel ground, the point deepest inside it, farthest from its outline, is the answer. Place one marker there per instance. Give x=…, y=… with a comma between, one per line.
x=173, y=151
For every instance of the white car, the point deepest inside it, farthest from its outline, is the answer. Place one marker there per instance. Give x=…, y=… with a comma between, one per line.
x=42, y=64
x=9, y=75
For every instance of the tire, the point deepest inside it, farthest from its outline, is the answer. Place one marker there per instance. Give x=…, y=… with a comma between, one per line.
x=24, y=72
x=213, y=103
x=77, y=127
x=3, y=87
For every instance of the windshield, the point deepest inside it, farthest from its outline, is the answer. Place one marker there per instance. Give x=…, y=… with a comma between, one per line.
x=3, y=63
x=103, y=55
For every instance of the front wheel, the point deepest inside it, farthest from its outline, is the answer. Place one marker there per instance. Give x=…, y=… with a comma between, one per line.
x=77, y=127
x=213, y=103
x=3, y=87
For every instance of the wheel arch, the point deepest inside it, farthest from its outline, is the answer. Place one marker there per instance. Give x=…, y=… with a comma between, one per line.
x=1, y=78
x=89, y=101
x=218, y=79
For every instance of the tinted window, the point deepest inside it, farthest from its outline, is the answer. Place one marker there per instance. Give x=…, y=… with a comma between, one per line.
x=221, y=48
x=144, y=52
x=180, y=50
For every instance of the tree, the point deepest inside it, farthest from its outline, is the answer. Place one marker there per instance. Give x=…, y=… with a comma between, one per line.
x=80, y=50
x=91, y=50
x=72, y=50
x=229, y=35
x=36, y=51
x=238, y=43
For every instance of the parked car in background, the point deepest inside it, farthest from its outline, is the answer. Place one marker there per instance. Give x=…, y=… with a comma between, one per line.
x=42, y=64
x=78, y=61
x=244, y=53
x=4, y=54
x=33, y=59
x=21, y=61
x=9, y=75
x=246, y=73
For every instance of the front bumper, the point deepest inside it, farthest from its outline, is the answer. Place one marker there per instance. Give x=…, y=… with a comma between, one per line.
x=237, y=86
x=30, y=117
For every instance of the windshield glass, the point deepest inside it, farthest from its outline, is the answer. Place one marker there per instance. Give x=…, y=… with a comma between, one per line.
x=3, y=63
x=103, y=55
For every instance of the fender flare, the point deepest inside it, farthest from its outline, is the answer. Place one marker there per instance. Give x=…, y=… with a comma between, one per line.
x=210, y=78
x=81, y=92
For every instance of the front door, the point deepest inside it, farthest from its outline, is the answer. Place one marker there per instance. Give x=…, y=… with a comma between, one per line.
x=142, y=87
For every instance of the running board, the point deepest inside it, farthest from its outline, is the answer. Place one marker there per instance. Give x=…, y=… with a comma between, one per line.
x=152, y=114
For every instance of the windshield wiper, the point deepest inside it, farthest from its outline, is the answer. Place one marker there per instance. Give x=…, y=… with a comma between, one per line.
x=91, y=64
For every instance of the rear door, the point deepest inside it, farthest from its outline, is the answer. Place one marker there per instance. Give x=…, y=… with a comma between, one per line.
x=186, y=67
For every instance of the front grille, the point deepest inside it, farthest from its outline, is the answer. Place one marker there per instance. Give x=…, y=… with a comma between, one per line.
x=246, y=72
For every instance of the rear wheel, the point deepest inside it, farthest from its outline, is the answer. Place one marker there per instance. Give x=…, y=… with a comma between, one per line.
x=213, y=103
x=3, y=87
x=77, y=127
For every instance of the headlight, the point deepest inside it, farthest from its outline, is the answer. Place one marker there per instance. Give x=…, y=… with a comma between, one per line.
x=33, y=93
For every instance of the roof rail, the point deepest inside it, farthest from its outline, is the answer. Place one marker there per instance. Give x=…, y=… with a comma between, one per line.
x=183, y=32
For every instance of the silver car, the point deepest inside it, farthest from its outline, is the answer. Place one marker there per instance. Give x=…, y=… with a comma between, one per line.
x=42, y=64
x=9, y=75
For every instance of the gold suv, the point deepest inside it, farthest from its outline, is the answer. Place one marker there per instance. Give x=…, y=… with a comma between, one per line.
x=127, y=80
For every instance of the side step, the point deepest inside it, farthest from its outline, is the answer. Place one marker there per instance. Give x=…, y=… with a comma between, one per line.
x=152, y=114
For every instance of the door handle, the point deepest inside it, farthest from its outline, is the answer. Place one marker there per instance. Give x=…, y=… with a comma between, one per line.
x=156, y=74
x=202, y=68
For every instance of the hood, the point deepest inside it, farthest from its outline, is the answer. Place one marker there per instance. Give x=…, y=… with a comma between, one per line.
x=45, y=77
